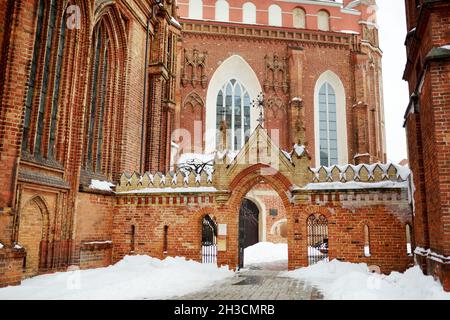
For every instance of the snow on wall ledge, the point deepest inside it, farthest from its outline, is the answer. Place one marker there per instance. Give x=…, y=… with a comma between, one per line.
x=432, y=255
x=170, y=190
x=362, y=176
x=101, y=185
x=355, y=185
x=376, y=172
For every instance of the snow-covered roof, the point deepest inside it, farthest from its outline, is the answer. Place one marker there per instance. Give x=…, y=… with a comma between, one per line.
x=298, y=150
x=402, y=172
x=101, y=185
x=175, y=22
x=349, y=31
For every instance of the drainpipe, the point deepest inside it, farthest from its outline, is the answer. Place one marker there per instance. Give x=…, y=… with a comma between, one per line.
x=144, y=102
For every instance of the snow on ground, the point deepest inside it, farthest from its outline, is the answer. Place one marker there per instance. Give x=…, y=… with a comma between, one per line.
x=342, y=280
x=135, y=277
x=265, y=252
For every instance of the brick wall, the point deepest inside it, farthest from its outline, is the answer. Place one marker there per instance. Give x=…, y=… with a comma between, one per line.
x=94, y=219
x=359, y=71
x=385, y=212
x=54, y=181
x=427, y=126
x=11, y=263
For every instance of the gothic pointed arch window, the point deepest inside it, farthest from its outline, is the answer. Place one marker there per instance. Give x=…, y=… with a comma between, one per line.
x=44, y=82
x=98, y=96
x=328, y=125
x=233, y=109
x=330, y=120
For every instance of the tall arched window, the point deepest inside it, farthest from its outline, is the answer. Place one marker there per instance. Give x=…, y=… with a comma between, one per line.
x=330, y=120
x=38, y=138
x=98, y=90
x=328, y=126
x=323, y=20
x=222, y=10
x=275, y=16
x=234, y=67
x=299, y=18
x=32, y=79
x=233, y=108
x=196, y=9
x=57, y=85
x=249, y=13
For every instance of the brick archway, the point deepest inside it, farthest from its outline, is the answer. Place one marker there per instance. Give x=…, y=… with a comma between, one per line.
x=248, y=178
x=244, y=182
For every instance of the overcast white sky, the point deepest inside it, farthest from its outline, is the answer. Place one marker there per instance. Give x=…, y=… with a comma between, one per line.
x=392, y=24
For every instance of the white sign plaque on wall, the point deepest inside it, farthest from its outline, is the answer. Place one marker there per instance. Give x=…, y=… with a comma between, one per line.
x=222, y=230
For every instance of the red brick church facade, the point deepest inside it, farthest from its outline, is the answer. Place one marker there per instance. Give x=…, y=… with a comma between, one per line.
x=427, y=126
x=96, y=93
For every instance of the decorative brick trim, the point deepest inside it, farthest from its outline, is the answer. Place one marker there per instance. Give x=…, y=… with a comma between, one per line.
x=309, y=37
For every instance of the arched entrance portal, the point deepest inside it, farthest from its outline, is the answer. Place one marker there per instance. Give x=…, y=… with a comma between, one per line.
x=248, y=227
x=269, y=192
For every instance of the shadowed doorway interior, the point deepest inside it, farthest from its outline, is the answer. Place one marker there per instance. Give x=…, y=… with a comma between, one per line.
x=248, y=227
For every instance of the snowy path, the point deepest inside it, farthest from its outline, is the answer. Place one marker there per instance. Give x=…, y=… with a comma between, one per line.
x=259, y=282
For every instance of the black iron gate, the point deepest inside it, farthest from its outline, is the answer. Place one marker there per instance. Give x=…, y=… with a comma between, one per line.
x=317, y=239
x=248, y=227
x=209, y=240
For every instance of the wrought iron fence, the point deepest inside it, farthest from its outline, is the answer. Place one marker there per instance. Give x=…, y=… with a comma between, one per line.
x=317, y=226
x=209, y=240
